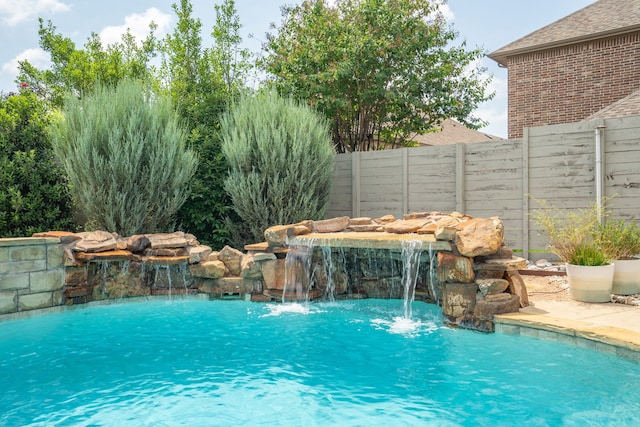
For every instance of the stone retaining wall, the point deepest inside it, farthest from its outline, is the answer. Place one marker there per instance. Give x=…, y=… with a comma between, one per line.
x=32, y=274
x=465, y=266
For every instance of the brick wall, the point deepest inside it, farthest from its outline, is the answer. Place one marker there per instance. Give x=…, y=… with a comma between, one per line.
x=31, y=274
x=568, y=84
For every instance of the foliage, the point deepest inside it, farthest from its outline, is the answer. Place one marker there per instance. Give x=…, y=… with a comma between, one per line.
x=281, y=161
x=382, y=71
x=33, y=193
x=619, y=239
x=123, y=149
x=589, y=254
x=202, y=83
x=573, y=233
x=232, y=63
x=80, y=70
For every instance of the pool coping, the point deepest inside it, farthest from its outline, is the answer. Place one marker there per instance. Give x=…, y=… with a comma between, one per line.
x=582, y=333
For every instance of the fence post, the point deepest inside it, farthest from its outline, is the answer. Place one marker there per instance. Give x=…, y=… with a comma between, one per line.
x=405, y=181
x=525, y=193
x=460, y=182
x=355, y=184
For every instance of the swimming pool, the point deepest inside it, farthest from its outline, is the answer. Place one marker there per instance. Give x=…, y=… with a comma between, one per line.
x=352, y=363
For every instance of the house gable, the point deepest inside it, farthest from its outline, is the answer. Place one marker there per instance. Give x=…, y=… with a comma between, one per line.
x=573, y=68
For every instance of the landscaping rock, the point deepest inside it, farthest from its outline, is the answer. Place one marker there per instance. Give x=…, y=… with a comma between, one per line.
x=453, y=268
x=480, y=236
x=167, y=240
x=198, y=253
x=232, y=259
x=332, y=225
x=95, y=241
x=208, y=269
x=138, y=243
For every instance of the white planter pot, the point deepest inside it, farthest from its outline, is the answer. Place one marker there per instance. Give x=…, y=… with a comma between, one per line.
x=590, y=284
x=626, y=277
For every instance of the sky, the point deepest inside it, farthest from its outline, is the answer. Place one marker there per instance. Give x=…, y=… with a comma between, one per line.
x=489, y=24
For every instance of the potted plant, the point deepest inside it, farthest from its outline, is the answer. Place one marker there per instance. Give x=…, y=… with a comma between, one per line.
x=574, y=236
x=621, y=240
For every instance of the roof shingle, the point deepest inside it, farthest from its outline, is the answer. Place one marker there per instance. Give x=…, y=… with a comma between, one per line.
x=603, y=18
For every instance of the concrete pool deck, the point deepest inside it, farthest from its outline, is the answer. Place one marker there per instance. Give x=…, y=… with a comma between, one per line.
x=610, y=327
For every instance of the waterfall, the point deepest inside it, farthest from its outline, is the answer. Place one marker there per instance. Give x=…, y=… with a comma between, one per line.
x=411, y=250
x=297, y=272
x=433, y=273
x=327, y=263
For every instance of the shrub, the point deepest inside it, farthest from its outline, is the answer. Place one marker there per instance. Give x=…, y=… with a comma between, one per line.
x=574, y=234
x=124, y=151
x=33, y=192
x=280, y=159
x=619, y=239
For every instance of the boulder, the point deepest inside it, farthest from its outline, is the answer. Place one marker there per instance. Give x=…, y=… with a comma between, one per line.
x=458, y=299
x=332, y=225
x=273, y=274
x=96, y=241
x=493, y=304
x=138, y=243
x=277, y=235
x=480, y=236
x=249, y=268
x=492, y=286
x=453, y=268
x=198, y=253
x=208, y=269
x=444, y=233
x=518, y=287
x=167, y=240
x=360, y=221
x=232, y=259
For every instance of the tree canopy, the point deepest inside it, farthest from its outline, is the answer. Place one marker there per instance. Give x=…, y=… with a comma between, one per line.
x=382, y=71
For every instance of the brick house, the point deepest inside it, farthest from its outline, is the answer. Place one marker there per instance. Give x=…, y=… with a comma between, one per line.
x=572, y=69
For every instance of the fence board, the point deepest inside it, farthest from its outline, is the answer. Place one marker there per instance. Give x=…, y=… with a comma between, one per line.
x=556, y=163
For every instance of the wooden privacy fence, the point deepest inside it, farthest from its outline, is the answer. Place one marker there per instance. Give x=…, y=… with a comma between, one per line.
x=500, y=178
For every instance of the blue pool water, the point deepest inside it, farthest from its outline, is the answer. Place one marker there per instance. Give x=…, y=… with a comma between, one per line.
x=227, y=363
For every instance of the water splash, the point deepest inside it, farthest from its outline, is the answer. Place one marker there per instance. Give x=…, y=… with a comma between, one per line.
x=279, y=309
x=403, y=326
x=411, y=250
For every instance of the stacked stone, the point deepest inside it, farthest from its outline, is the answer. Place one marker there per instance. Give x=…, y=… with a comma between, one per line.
x=477, y=279
x=476, y=275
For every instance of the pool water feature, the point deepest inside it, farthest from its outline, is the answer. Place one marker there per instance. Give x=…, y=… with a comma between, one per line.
x=351, y=363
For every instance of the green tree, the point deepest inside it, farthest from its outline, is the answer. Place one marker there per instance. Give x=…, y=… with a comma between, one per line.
x=80, y=70
x=280, y=161
x=33, y=192
x=202, y=82
x=124, y=151
x=232, y=62
x=382, y=71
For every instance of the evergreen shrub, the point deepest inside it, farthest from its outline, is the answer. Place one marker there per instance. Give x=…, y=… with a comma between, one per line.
x=280, y=158
x=124, y=151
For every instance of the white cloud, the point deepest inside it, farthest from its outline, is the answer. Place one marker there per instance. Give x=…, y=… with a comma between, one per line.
x=446, y=11
x=36, y=57
x=138, y=25
x=13, y=12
